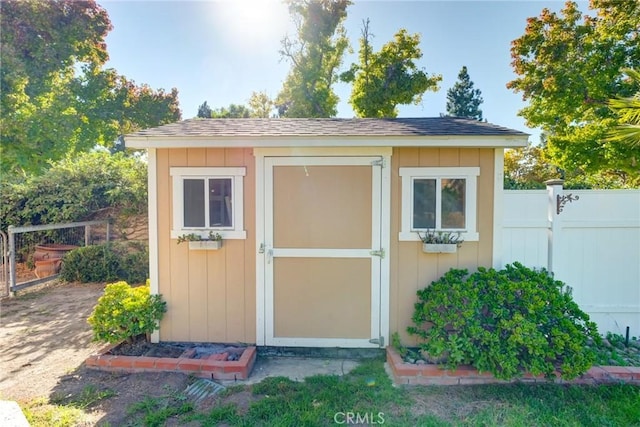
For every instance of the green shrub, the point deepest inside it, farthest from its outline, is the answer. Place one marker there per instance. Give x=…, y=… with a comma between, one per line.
x=98, y=263
x=506, y=322
x=134, y=262
x=108, y=262
x=124, y=312
x=74, y=189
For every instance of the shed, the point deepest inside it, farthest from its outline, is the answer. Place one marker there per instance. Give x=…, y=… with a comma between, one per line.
x=320, y=222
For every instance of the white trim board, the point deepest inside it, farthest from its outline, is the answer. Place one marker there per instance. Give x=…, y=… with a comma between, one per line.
x=152, y=184
x=498, y=207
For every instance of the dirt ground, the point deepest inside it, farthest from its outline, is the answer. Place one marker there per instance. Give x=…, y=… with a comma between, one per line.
x=45, y=338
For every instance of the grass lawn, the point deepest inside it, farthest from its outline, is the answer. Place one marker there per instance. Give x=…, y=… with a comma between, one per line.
x=366, y=394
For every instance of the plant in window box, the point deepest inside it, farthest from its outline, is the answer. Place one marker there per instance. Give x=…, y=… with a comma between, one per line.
x=213, y=241
x=434, y=241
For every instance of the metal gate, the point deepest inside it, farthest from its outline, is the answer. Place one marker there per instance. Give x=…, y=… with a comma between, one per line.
x=4, y=266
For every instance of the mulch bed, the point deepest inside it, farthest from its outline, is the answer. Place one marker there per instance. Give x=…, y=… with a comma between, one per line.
x=141, y=347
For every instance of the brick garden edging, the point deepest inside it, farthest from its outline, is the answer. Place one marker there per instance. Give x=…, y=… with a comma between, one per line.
x=428, y=374
x=214, y=367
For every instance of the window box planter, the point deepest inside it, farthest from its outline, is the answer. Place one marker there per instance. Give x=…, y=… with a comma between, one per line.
x=206, y=245
x=439, y=248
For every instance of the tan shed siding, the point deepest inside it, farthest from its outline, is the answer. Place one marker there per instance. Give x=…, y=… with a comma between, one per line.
x=210, y=294
x=411, y=269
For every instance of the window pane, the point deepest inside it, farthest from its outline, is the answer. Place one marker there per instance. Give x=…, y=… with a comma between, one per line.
x=220, y=209
x=453, y=199
x=424, y=203
x=194, y=203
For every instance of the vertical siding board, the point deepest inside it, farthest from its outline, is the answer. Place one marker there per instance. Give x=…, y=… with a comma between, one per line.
x=250, y=247
x=196, y=157
x=235, y=266
x=179, y=260
x=217, y=295
x=197, y=288
x=215, y=156
x=164, y=241
x=394, y=248
x=449, y=157
x=428, y=156
x=216, y=283
x=407, y=254
x=469, y=157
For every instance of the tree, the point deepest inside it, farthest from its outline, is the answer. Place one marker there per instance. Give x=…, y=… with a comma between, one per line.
x=528, y=168
x=204, y=111
x=315, y=55
x=260, y=105
x=235, y=111
x=383, y=80
x=568, y=68
x=55, y=96
x=628, y=112
x=462, y=99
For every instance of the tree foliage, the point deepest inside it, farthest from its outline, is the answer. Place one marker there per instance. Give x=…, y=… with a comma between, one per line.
x=234, y=111
x=388, y=78
x=527, y=168
x=74, y=189
x=628, y=112
x=315, y=54
x=204, y=111
x=55, y=96
x=568, y=67
x=260, y=105
x=462, y=99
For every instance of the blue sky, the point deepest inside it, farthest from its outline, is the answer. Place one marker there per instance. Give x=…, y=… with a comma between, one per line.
x=221, y=51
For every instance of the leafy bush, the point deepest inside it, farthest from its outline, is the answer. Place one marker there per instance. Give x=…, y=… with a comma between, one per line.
x=74, y=189
x=124, y=312
x=506, y=322
x=105, y=263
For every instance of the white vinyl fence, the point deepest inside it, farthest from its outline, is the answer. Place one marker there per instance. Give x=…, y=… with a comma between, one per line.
x=595, y=247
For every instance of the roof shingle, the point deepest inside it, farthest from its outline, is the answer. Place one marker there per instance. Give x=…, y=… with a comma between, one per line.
x=426, y=126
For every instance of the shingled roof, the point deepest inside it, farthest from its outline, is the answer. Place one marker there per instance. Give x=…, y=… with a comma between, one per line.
x=426, y=126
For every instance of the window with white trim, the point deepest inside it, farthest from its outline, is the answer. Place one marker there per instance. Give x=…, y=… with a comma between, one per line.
x=439, y=198
x=208, y=199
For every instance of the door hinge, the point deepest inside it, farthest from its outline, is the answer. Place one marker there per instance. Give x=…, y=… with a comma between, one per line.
x=379, y=341
x=379, y=253
x=381, y=163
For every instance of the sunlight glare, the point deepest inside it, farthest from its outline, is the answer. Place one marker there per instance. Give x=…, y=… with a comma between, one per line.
x=252, y=23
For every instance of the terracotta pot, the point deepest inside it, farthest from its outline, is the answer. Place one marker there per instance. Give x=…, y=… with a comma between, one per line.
x=48, y=267
x=51, y=251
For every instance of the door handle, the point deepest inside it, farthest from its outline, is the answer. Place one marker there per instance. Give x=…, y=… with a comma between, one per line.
x=269, y=256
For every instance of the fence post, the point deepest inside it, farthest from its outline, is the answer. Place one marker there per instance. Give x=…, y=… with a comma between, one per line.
x=87, y=235
x=12, y=259
x=554, y=190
